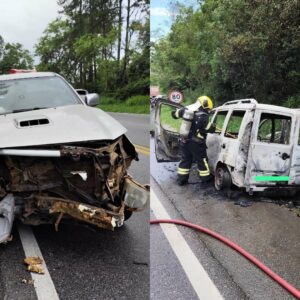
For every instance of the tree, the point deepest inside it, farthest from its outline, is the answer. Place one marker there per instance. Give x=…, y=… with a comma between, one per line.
x=55, y=49
x=1, y=46
x=88, y=46
x=233, y=49
x=126, y=55
x=120, y=22
x=14, y=56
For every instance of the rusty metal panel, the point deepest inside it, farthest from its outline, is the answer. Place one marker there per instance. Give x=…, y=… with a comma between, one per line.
x=88, y=182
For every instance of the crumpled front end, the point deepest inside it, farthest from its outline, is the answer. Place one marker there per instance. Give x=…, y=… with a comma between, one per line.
x=7, y=211
x=85, y=181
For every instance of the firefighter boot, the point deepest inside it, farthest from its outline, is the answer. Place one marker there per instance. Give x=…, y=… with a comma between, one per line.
x=206, y=179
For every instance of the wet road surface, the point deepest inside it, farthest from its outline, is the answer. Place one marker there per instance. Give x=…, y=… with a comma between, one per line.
x=266, y=229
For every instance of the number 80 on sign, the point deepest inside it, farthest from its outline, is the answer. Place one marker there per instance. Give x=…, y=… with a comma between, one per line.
x=176, y=96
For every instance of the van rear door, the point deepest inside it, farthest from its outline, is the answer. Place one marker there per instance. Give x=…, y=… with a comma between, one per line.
x=270, y=152
x=295, y=164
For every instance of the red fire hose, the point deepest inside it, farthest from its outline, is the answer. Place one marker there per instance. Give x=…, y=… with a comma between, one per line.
x=255, y=261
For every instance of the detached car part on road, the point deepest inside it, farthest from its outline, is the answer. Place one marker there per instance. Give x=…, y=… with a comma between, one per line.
x=60, y=158
x=257, y=146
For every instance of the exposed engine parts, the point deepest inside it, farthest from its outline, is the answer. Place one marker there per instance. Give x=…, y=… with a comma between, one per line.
x=87, y=182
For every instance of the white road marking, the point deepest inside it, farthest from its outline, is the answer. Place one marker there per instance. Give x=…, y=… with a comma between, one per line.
x=44, y=287
x=202, y=284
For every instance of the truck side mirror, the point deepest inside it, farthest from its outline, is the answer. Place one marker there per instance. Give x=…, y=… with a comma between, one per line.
x=92, y=99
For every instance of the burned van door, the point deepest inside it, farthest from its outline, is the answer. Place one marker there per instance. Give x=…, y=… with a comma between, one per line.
x=295, y=164
x=230, y=143
x=214, y=140
x=270, y=149
x=166, y=132
x=233, y=146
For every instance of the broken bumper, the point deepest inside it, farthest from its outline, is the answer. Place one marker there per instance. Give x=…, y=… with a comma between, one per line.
x=7, y=211
x=136, y=195
x=48, y=190
x=97, y=216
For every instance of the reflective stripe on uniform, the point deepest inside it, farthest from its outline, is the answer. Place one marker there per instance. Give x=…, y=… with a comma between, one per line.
x=208, y=126
x=204, y=173
x=199, y=135
x=177, y=113
x=206, y=164
x=182, y=171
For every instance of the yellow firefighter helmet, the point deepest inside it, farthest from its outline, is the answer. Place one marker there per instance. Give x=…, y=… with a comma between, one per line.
x=205, y=102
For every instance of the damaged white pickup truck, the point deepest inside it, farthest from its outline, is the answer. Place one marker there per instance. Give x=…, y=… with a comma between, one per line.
x=61, y=158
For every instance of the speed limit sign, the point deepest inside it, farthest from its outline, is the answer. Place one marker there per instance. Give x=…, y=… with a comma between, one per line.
x=176, y=96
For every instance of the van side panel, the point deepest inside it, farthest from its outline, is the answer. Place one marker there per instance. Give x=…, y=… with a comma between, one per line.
x=268, y=158
x=295, y=166
x=295, y=170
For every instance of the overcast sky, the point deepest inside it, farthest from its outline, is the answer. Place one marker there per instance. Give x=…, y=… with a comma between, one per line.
x=24, y=21
x=162, y=16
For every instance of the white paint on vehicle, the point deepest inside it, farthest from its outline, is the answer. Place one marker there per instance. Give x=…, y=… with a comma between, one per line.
x=43, y=284
x=68, y=124
x=198, y=277
x=33, y=152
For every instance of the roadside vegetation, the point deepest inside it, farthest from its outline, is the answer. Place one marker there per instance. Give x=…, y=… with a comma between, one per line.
x=166, y=120
x=100, y=46
x=13, y=55
x=138, y=104
x=232, y=49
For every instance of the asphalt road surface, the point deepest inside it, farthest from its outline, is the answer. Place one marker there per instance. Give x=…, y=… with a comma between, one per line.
x=85, y=263
x=268, y=228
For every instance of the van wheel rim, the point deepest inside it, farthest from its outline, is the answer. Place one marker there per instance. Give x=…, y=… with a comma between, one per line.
x=219, y=178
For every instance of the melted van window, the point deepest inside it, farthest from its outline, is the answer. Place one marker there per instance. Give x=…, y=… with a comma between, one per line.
x=274, y=129
x=234, y=124
x=219, y=120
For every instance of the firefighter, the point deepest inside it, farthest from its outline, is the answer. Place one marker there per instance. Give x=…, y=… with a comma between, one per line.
x=193, y=140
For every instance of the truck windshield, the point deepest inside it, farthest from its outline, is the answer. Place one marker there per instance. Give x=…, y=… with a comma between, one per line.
x=20, y=95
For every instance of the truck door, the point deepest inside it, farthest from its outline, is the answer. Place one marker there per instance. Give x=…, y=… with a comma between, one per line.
x=166, y=132
x=270, y=149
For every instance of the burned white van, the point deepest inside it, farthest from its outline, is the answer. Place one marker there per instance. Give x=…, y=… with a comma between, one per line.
x=60, y=158
x=256, y=146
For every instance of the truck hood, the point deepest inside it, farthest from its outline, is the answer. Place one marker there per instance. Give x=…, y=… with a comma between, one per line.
x=72, y=123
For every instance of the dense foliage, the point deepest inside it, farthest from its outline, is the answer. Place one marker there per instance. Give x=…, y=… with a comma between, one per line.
x=14, y=56
x=102, y=46
x=232, y=49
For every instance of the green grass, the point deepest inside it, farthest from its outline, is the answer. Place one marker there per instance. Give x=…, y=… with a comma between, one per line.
x=138, y=100
x=137, y=105
x=166, y=119
x=123, y=108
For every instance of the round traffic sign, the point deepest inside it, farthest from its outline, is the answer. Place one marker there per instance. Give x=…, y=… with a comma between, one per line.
x=176, y=96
